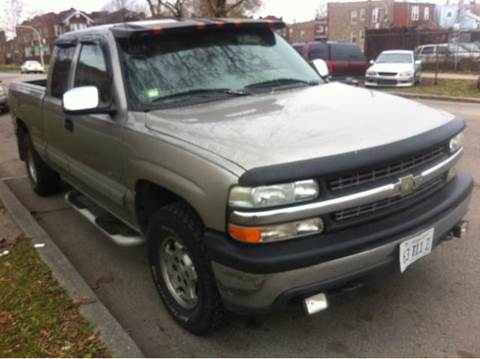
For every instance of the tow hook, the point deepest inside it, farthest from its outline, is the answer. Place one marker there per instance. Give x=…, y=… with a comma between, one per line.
x=459, y=230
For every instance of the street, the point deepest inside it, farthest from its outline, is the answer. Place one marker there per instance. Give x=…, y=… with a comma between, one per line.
x=431, y=310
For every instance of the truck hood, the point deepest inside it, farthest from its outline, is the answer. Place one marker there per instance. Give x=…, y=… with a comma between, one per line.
x=294, y=125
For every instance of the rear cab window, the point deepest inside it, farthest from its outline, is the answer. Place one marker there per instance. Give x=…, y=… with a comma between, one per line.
x=346, y=52
x=318, y=51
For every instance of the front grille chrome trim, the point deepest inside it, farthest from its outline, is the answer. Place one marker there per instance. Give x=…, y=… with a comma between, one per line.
x=403, y=186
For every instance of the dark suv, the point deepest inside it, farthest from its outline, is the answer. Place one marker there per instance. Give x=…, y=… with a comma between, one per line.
x=345, y=60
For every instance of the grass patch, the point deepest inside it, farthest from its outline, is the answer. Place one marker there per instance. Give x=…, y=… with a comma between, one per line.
x=37, y=318
x=456, y=88
x=9, y=68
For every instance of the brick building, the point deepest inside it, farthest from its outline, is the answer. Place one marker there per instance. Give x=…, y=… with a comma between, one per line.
x=51, y=25
x=347, y=21
x=314, y=30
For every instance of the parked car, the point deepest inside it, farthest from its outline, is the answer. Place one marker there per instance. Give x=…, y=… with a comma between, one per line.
x=394, y=68
x=345, y=60
x=254, y=182
x=454, y=53
x=32, y=67
x=3, y=98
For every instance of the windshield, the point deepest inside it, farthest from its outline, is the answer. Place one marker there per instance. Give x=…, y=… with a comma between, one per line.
x=394, y=58
x=209, y=65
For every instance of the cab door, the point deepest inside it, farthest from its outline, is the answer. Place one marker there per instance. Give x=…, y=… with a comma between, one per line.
x=96, y=150
x=52, y=112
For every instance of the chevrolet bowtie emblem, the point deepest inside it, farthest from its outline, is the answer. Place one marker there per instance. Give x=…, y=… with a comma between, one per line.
x=406, y=185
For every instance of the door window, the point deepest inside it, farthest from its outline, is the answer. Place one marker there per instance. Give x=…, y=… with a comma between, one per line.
x=92, y=71
x=427, y=50
x=61, y=67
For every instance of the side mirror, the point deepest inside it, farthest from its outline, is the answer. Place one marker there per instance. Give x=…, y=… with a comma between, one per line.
x=372, y=62
x=418, y=62
x=84, y=100
x=321, y=67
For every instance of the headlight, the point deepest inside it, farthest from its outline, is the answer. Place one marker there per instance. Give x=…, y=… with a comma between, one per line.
x=276, y=232
x=456, y=142
x=275, y=195
x=406, y=74
x=371, y=73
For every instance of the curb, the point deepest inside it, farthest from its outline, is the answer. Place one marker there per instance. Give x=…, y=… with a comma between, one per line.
x=117, y=340
x=435, y=97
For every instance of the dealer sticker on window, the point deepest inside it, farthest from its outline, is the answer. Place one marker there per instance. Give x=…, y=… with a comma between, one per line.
x=415, y=248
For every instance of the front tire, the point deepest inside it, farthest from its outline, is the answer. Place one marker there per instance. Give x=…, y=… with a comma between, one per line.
x=43, y=179
x=181, y=269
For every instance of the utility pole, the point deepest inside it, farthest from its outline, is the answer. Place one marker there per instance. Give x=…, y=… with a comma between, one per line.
x=39, y=37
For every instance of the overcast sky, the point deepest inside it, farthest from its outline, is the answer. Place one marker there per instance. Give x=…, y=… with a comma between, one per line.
x=290, y=10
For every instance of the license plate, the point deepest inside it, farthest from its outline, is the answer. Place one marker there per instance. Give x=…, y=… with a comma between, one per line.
x=415, y=248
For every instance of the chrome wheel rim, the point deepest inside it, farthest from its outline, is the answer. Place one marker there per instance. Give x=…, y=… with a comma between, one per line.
x=179, y=273
x=32, y=171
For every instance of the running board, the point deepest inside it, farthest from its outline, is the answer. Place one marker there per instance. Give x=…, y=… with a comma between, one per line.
x=112, y=227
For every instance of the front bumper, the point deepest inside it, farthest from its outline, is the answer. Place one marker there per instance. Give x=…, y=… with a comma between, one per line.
x=379, y=81
x=259, y=278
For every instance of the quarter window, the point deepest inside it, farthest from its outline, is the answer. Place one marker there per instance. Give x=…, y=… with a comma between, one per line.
x=92, y=71
x=61, y=67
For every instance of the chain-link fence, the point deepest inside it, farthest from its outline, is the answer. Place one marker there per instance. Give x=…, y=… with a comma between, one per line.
x=439, y=50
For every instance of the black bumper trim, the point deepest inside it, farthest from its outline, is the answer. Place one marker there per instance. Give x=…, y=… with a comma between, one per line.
x=293, y=254
x=319, y=167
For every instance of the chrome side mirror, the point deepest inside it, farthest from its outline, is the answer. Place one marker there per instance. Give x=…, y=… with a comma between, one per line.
x=321, y=67
x=372, y=62
x=84, y=100
x=81, y=99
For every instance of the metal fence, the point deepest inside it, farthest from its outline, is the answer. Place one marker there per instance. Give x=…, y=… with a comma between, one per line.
x=438, y=49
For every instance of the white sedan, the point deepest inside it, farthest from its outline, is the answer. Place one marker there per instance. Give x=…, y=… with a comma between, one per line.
x=394, y=68
x=32, y=67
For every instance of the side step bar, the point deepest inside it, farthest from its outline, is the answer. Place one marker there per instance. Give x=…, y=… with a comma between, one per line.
x=112, y=227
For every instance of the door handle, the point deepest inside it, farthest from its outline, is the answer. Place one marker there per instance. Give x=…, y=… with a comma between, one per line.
x=69, y=124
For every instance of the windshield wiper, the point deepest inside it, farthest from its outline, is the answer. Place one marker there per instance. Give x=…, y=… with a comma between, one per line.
x=281, y=82
x=205, y=91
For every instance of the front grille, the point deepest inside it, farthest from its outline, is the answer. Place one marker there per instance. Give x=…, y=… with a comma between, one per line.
x=386, y=82
x=385, y=204
x=394, y=169
x=387, y=73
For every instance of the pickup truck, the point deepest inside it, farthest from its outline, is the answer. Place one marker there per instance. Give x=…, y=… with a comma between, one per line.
x=253, y=181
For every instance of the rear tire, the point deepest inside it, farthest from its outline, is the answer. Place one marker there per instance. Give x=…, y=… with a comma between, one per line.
x=181, y=269
x=43, y=179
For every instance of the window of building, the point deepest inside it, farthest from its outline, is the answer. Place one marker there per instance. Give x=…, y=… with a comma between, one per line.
x=415, y=13
x=302, y=35
x=353, y=17
x=426, y=13
x=362, y=15
x=92, y=71
x=61, y=67
x=361, y=35
x=375, y=15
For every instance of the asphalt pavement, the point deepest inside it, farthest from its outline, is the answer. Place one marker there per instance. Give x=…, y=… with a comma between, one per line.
x=433, y=309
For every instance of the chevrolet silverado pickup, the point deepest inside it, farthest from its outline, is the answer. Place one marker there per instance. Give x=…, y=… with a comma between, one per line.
x=253, y=181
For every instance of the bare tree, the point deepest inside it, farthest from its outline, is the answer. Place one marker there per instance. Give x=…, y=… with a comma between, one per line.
x=226, y=8
x=14, y=11
x=177, y=8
